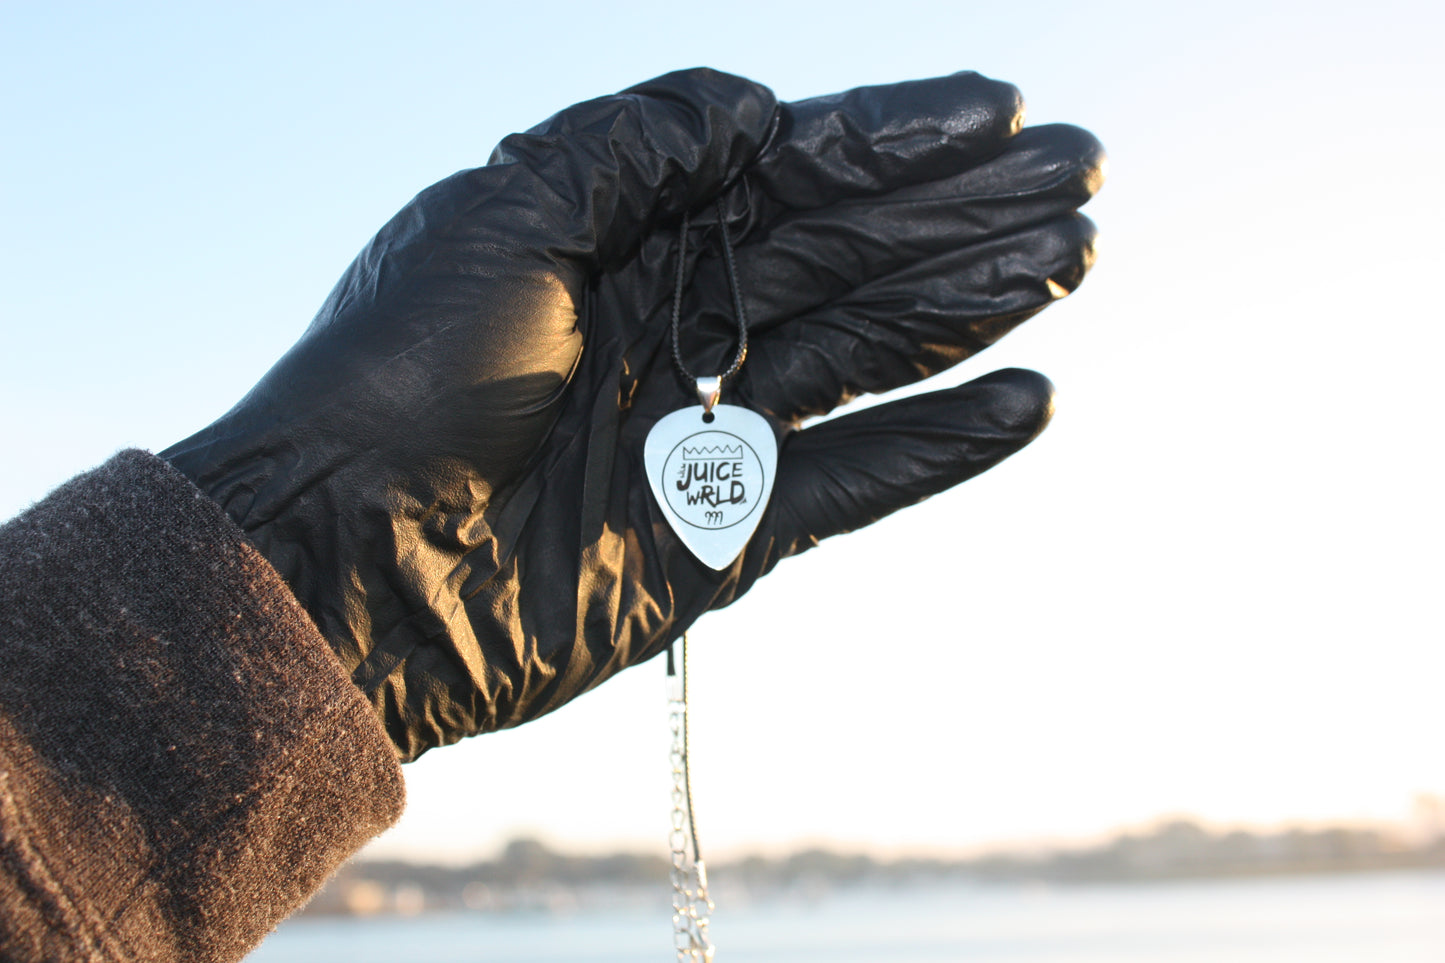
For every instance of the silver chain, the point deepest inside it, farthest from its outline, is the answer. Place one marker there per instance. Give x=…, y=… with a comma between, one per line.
x=691, y=906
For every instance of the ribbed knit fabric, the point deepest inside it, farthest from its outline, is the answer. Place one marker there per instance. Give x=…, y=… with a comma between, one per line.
x=182, y=760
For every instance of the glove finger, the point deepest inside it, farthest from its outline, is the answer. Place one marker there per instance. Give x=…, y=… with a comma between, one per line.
x=849, y=472
x=813, y=257
x=610, y=168
x=876, y=139
x=915, y=322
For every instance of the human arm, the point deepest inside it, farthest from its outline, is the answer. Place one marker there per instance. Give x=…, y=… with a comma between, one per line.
x=182, y=760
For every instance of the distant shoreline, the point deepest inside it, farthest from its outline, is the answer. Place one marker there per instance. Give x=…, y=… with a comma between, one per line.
x=529, y=875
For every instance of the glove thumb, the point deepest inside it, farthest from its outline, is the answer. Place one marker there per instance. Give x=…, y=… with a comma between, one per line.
x=849, y=472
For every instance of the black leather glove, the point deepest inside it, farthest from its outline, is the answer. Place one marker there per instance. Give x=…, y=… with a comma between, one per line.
x=447, y=467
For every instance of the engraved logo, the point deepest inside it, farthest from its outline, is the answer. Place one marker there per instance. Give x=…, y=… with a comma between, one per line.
x=712, y=479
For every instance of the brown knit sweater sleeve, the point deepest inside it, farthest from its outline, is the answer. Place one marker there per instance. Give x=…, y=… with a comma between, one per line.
x=182, y=761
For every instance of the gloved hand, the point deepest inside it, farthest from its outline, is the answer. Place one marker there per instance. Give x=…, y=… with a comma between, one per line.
x=447, y=467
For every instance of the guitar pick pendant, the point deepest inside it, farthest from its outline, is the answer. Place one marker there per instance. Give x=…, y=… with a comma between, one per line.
x=712, y=477
x=711, y=468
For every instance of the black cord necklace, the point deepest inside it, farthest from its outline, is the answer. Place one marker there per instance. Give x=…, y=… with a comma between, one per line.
x=739, y=311
x=711, y=467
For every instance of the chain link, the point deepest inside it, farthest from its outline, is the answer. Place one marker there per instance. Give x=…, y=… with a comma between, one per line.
x=691, y=906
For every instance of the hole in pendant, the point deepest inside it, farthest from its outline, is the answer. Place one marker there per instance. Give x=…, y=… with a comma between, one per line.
x=708, y=417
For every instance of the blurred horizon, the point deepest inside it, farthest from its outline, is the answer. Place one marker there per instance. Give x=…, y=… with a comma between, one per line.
x=1420, y=820
x=1210, y=587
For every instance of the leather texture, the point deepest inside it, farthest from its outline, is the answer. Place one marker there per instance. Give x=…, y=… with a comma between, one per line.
x=447, y=466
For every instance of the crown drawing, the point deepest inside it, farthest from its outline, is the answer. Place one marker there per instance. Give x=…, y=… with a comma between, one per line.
x=711, y=452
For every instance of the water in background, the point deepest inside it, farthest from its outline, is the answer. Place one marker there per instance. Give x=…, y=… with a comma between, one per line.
x=1367, y=918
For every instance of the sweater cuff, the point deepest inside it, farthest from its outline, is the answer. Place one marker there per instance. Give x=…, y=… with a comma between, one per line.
x=182, y=760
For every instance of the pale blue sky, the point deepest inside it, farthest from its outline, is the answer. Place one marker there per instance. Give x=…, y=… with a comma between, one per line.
x=1211, y=587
